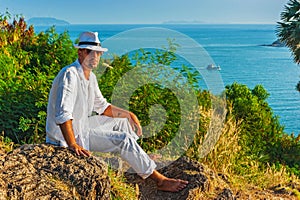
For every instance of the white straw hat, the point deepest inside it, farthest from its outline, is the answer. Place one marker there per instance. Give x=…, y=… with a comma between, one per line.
x=89, y=40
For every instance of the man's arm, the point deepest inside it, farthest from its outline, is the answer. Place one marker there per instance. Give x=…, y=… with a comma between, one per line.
x=67, y=131
x=114, y=111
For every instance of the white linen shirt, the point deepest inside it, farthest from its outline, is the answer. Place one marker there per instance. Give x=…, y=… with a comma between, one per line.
x=73, y=97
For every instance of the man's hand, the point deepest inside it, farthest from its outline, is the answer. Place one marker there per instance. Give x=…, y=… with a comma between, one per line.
x=135, y=124
x=67, y=131
x=79, y=150
x=114, y=111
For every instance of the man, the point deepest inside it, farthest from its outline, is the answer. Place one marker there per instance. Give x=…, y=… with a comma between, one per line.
x=75, y=97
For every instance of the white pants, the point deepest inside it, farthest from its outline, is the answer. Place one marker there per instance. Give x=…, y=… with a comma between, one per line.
x=116, y=135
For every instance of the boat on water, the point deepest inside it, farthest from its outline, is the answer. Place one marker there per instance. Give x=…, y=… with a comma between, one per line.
x=213, y=67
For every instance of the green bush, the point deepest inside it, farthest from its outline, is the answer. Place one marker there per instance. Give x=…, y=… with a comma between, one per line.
x=28, y=63
x=262, y=137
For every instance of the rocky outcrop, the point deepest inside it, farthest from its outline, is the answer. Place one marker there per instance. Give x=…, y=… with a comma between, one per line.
x=183, y=168
x=49, y=172
x=276, y=43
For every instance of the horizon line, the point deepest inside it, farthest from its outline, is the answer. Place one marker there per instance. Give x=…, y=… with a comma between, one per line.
x=275, y=23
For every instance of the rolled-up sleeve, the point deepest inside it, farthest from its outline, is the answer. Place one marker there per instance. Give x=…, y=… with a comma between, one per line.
x=66, y=97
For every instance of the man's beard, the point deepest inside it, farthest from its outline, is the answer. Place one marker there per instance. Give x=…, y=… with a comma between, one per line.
x=92, y=66
x=91, y=63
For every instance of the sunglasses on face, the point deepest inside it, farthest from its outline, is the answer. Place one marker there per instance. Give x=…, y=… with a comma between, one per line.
x=88, y=51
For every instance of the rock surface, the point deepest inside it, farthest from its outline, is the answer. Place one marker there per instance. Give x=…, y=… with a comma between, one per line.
x=49, y=172
x=186, y=169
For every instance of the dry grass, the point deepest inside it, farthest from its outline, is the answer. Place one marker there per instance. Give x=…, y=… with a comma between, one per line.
x=224, y=153
x=120, y=189
x=225, y=159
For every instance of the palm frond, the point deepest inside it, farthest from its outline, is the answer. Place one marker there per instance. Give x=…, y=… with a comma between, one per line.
x=288, y=29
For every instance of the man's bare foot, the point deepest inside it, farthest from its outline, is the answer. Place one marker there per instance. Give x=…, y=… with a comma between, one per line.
x=168, y=184
x=171, y=185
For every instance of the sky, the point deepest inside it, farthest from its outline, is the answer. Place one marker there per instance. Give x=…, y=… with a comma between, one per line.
x=149, y=12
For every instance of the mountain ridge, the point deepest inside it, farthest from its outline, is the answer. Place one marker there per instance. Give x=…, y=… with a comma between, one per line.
x=46, y=21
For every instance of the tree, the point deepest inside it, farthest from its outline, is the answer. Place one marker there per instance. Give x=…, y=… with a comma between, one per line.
x=288, y=29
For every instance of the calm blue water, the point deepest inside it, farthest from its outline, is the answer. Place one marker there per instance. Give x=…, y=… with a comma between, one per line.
x=236, y=48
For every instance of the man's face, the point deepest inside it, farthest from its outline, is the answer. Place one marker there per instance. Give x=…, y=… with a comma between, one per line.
x=90, y=59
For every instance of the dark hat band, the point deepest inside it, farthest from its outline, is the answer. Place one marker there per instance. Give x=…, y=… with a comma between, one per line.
x=89, y=43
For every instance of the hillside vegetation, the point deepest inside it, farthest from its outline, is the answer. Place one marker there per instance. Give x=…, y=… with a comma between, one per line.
x=253, y=149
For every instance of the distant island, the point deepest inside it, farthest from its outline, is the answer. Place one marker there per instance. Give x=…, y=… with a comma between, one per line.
x=47, y=21
x=184, y=22
x=276, y=43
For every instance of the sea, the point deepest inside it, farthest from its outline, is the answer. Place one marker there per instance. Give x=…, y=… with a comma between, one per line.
x=240, y=50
